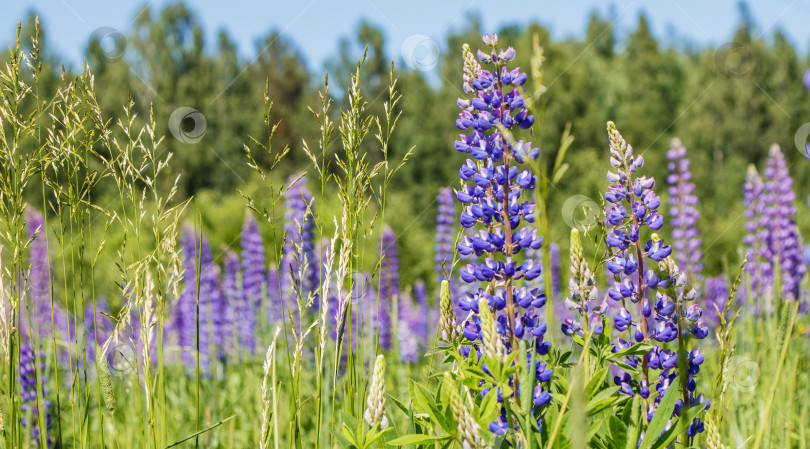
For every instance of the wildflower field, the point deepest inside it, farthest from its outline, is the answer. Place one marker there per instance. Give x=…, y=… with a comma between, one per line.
x=200, y=252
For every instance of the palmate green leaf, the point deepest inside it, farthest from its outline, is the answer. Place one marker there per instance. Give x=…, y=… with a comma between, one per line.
x=662, y=415
x=416, y=439
x=679, y=427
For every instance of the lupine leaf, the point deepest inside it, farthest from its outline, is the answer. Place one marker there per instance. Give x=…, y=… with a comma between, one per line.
x=636, y=349
x=602, y=401
x=398, y=404
x=414, y=439
x=618, y=431
x=662, y=415
x=343, y=441
x=633, y=421
x=679, y=427
x=595, y=382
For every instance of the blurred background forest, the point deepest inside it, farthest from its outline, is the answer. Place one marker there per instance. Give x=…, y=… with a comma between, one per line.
x=726, y=103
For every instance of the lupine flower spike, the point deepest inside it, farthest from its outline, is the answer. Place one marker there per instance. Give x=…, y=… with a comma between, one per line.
x=758, y=234
x=253, y=281
x=784, y=248
x=669, y=317
x=497, y=198
x=683, y=202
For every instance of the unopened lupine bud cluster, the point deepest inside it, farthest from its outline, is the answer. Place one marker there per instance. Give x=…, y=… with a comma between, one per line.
x=375, y=405
x=447, y=318
x=496, y=198
x=582, y=288
x=467, y=426
x=649, y=279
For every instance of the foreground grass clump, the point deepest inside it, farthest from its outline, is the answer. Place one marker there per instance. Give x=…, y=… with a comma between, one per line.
x=308, y=339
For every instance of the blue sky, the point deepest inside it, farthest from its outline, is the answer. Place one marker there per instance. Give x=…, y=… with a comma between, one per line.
x=316, y=25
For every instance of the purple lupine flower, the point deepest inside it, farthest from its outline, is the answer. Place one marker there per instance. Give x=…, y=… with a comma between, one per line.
x=409, y=344
x=784, y=246
x=443, y=249
x=683, y=202
x=218, y=307
x=491, y=197
x=537, y=257
x=184, y=315
x=807, y=79
x=716, y=294
x=299, y=274
x=658, y=294
x=760, y=274
x=233, y=299
x=389, y=286
x=389, y=266
x=421, y=326
x=97, y=327
x=198, y=260
x=39, y=287
x=807, y=247
x=445, y=235
x=253, y=280
x=28, y=391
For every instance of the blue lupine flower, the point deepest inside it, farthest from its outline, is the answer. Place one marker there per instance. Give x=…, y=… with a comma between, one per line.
x=807, y=79
x=299, y=243
x=389, y=286
x=494, y=203
x=232, y=296
x=646, y=275
x=42, y=309
x=253, y=282
x=683, y=202
x=28, y=392
x=784, y=246
x=759, y=268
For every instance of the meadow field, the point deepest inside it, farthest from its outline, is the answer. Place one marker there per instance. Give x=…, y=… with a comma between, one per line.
x=506, y=241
